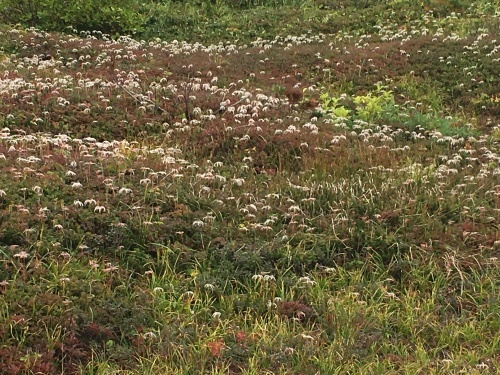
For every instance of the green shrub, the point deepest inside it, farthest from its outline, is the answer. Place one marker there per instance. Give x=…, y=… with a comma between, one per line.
x=108, y=16
x=367, y=107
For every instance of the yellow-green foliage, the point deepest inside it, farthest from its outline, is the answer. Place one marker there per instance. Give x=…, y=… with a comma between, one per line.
x=367, y=107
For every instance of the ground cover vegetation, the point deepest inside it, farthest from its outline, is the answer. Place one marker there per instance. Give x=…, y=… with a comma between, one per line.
x=250, y=187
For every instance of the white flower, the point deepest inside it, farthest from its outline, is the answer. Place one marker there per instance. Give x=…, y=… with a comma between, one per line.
x=149, y=335
x=100, y=209
x=238, y=181
x=76, y=185
x=391, y=295
x=198, y=223
x=306, y=281
x=110, y=268
x=124, y=190
x=21, y=255
x=188, y=295
x=271, y=305
x=269, y=278
x=210, y=287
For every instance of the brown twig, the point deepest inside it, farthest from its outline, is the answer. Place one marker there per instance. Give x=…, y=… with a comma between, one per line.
x=139, y=100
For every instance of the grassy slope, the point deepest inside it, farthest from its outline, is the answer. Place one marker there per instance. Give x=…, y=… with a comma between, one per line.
x=171, y=208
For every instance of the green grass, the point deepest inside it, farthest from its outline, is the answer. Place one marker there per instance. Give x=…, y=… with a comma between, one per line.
x=311, y=190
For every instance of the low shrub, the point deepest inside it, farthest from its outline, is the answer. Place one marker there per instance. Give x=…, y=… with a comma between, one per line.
x=108, y=16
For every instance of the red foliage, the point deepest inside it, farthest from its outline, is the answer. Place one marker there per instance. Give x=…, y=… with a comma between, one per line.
x=216, y=347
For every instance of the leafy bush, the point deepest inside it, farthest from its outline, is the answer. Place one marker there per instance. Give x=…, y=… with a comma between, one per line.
x=108, y=16
x=366, y=107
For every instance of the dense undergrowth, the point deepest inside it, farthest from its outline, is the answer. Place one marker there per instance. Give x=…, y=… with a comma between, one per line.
x=322, y=199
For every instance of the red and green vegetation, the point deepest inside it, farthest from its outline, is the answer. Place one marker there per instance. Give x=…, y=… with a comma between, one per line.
x=250, y=187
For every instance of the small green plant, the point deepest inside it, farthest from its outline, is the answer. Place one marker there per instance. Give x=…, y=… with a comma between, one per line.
x=332, y=106
x=371, y=106
x=368, y=107
x=279, y=90
x=422, y=91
